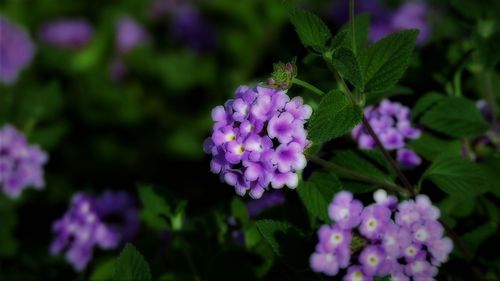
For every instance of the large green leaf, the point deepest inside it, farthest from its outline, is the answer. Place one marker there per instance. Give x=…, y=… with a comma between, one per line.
x=335, y=116
x=430, y=146
x=316, y=193
x=457, y=176
x=456, y=117
x=312, y=31
x=131, y=265
x=361, y=28
x=424, y=103
x=385, y=62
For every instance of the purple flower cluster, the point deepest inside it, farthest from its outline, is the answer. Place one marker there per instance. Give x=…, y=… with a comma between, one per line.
x=391, y=123
x=67, y=33
x=16, y=51
x=21, y=165
x=410, y=15
x=385, y=238
x=104, y=222
x=259, y=139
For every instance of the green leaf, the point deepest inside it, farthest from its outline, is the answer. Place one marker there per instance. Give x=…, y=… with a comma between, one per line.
x=104, y=271
x=361, y=28
x=316, y=193
x=456, y=117
x=476, y=237
x=131, y=265
x=312, y=31
x=430, y=147
x=155, y=210
x=491, y=166
x=335, y=116
x=270, y=230
x=346, y=63
x=385, y=62
x=239, y=211
x=424, y=103
x=456, y=176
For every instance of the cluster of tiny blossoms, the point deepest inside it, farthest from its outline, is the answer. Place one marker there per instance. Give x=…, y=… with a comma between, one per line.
x=385, y=238
x=21, y=165
x=391, y=123
x=85, y=225
x=259, y=139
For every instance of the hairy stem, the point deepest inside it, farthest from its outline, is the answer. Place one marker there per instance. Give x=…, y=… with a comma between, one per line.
x=353, y=175
x=308, y=86
x=389, y=158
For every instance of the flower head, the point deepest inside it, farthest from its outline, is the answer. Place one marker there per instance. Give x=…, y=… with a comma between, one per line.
x=404, y=241
x=258, y=140
x=391, y=123
x=16, y=51
x=88, y=223
x=21, y=165
x=67, y=33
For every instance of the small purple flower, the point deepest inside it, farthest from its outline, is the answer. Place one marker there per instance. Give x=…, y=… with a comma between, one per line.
x=21, y=165
x=257, y=142
x=67, y=33
x=355, y=273
x=16, y=51
x=413, y=15
x=391, y=123
x=79, y=230
x=371, y=260
x=334, y=239
x=374, y=220
x=345, y=211
x=129, y=34
x=324, y=263
x=420, y=269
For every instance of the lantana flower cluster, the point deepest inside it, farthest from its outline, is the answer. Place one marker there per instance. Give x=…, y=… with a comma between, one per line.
x=105, y=222
x=258, y=140
x=391, y=123
x=403, y=240
x=21, y=164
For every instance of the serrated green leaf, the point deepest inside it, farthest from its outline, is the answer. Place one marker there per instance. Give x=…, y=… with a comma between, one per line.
x=347, y=65
x=316, y=193
x=131, y=265
x=271, y=228
x=424, y=103
x=335, y=116
x=361, y=26
x=155, y=210
x=312, y=31
x=457, y=176
x=104, y=271
x=385, y=62
x=430, y=147
x=456, y=117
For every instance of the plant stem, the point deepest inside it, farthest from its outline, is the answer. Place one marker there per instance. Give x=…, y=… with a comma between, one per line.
x=307, y=86
x=387, y=156
x=353, y=30
x=353, y=175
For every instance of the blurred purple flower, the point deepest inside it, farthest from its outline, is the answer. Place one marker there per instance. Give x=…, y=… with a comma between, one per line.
x=161, y=8
x=16, y=51
x=129, y=34
x=21, y=165
x=105, y=222
x=80, y=230
x=188, y=27
x=117, y=69
x=118, y=210
x=410, y=15
x=391, y=123
x=267, y=201
x=67, y=33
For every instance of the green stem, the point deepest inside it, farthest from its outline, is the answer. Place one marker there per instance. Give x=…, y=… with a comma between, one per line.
x=353, y=30
x=307, y=86
x=353, y=175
